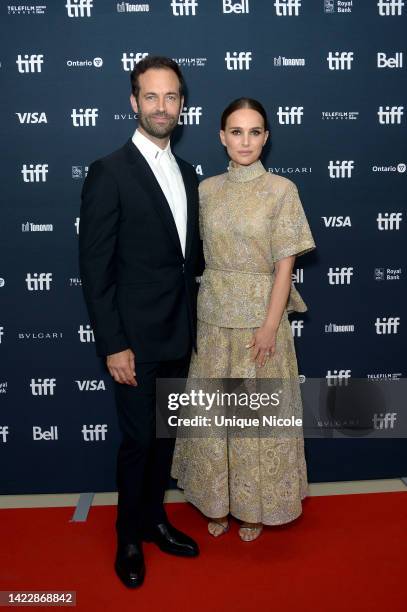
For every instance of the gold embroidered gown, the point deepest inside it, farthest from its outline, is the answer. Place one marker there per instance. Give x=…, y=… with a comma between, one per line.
x=249, y=219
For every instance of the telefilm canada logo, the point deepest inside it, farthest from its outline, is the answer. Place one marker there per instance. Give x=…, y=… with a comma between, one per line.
x=191, y=62
x=26, y=9
x=339, y=115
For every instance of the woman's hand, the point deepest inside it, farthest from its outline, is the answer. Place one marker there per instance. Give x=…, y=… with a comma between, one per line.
x=263, y=344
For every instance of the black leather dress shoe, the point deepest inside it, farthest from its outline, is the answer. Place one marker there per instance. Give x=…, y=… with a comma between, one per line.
x=172, y=541
x=129, y=565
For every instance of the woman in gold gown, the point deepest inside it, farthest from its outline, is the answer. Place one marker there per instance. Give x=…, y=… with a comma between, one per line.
x=252, y=226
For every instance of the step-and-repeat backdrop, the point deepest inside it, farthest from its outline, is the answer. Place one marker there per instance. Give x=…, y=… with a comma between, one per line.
x=332, y=76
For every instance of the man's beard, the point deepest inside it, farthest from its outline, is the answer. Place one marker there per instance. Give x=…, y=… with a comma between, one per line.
x=155, y=129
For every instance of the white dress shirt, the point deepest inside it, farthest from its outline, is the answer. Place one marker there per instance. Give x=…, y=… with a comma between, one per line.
x=162, y=162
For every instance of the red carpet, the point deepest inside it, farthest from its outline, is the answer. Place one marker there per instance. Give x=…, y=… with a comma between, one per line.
x=345, y=553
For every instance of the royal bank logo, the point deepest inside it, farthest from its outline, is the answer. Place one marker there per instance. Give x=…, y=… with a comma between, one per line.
x=387, y=325
x=184, y=8
x=128, y=7
x=337, y=221
x=297, y=325
x=29, y=63
x=288, y=61
x=94, y=433
x=47, y=434
x=334, y=328
x=287, y=8
x=28, y=226
x=390, y=8
x=38, y=281
x=340, y=276
x=338, y=6
x=26, y=9
x=340, y=115
x=4, y=432
x=79, y=172
x=238, y=60
x=33, y=118
x=43, y=386
x=3, y=387
x=340, y=60
x=96, y=62
x=389, y=221
x=129, y=60
x=191, y=62
x=387, y=274
x=79, y=8
x=86, y=334
x=395, y=61
x=34, y=173
x=341, y=169
x=338, y=377
x=84, y=117
x=401, y=168
x=91, y=385
x=390, y=115
x=238, y=7
x=190, y=115
x=290, y=115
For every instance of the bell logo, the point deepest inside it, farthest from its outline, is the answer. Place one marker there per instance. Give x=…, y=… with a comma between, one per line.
x=129, y=60
x=390, y=114
x=341, y=169
x=387, y=325
x=235, y=6
x=296, y=327
x=340, y=276
x=91, y=385
x=39, y=281
x=34, y=173
x=290, y=115
x=182, y=8
x=389, y=221
x=392, y=62
x=86, y=334
x=94, y=433
x=4, y=433
x=340, y=60
x=287, y=8
x=47, y=434
x=84, y=117
x=42, y=386
x=190, y=115
x=30, y=63
x=390, y=7
x=238, y=60
x=79, y=8
x=338, y=377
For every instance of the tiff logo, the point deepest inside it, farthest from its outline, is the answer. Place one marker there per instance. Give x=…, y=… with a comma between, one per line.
x=287, y=8
x=79, y=8
x=340, y=276
x=39, y=281
x=390, y=7
x=338, y=377
x=341, y=169
x=290, y=115
x=238, y=60
x=44, y=386
x=1, y=333
x=182, y=8
x=34, y=173
x=4, y=433
x=297, y=327
x=131, y=59
x=86, y=334
x=387, y=325
x=84, y=117
x=76, y=224
x=385, y=420
x=340, y=60
x=389, y=221
x=390, y=62
x=30, y=63
x=94, y=433
x=190, y=116
x=236, y=6
x=390, y=114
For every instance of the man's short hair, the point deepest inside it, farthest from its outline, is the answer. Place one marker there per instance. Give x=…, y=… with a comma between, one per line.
x=156, y=62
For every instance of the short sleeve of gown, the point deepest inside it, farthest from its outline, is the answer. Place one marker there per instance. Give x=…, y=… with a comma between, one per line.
x=290, y=234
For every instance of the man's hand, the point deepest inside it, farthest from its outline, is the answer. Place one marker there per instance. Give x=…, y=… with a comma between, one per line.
x=122, y=367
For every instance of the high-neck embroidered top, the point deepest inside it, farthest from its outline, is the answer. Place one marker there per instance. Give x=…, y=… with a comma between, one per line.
x=249, y=219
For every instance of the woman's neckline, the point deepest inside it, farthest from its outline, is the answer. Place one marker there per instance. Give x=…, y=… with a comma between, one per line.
x=243, y=174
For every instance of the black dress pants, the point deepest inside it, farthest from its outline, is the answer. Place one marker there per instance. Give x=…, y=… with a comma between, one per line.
x=144, y=461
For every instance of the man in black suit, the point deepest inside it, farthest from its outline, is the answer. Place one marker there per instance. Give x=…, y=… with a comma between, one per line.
x=139, y=255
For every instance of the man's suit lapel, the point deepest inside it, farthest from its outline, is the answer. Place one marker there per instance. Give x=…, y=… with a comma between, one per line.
x=149, y=183
x=190, y=190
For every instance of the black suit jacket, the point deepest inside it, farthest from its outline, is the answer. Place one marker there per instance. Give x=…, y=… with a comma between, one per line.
x=139, y=289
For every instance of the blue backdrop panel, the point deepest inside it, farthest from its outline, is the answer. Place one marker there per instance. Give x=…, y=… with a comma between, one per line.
x=332, y=76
